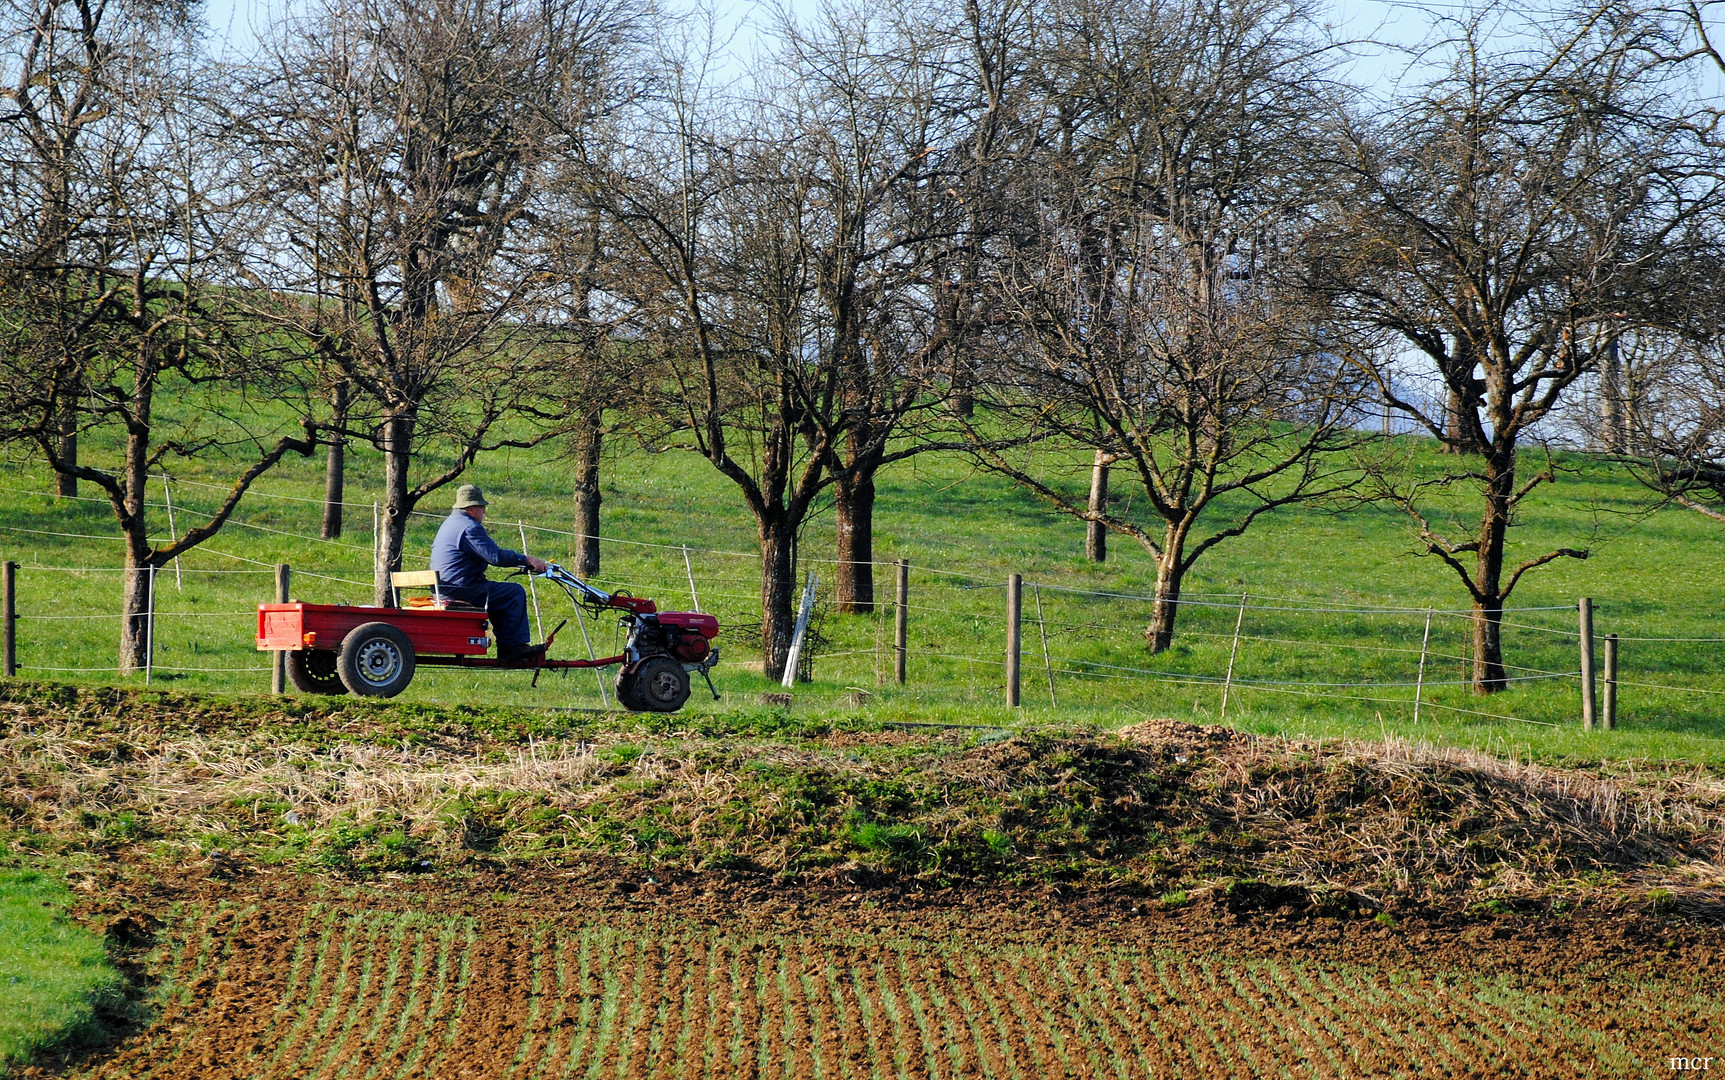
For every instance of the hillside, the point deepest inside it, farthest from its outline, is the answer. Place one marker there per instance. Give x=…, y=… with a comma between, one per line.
x=1329, y=646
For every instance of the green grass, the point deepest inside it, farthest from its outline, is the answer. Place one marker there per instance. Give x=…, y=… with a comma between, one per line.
x=53, y=973
x=1651, y=574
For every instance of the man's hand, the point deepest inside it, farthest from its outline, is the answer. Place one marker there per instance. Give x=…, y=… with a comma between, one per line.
x=536, y=564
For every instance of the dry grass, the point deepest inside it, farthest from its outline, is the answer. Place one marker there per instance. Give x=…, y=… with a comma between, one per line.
x=1164, y=804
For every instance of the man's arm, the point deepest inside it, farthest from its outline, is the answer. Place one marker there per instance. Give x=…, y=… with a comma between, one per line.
x=476, y=540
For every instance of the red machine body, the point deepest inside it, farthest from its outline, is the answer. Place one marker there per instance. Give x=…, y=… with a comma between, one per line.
x=295, y=626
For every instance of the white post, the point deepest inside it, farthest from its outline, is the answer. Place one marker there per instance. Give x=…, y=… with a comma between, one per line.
x=531, y=591
x=1228, y=683
x=1042, y=628
x=604, y=698
x=173, y=534
x=790, y=678
x=694, y=596
x=150, y=629
x=1420, y=683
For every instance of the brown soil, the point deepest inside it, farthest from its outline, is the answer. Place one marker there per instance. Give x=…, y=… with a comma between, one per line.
x=603, y=970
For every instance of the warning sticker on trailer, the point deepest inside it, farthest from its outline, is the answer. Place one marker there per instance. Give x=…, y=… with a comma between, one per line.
x=483, y=642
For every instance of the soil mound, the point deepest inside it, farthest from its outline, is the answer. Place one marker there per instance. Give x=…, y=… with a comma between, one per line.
x=1161, y=807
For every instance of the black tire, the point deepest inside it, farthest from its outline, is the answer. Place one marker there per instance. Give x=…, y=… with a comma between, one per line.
x=661, y=685
x=625, y=689
x=315, y=671
x=376, y=660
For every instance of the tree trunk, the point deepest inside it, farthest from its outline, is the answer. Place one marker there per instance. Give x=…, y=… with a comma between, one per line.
x=1453, y=427
x=778, y=594
x=1169, y=574
x=397, y=457
x=335, y=468
x=1614, y=422
x=587, y=497
x=961, y=393
x=1095, y=533
x=67, y=483
x=135, y=621
x=1488, y=671
x=853, y=503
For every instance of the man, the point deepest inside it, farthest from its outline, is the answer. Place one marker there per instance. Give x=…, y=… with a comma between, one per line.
x=460, y=554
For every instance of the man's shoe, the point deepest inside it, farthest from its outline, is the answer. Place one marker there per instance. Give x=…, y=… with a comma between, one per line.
x=523, y=655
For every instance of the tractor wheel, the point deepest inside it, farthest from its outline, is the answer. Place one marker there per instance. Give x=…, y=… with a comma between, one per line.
x=662, y=685
x=313, y=671
x=376, y=660
x=624, y=688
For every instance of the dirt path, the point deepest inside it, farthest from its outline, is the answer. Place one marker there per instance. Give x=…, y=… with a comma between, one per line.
x=571, y=975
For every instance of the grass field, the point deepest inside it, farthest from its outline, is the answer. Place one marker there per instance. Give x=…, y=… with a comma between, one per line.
x=1319, y=653
x=341, y=888
x=53, y=973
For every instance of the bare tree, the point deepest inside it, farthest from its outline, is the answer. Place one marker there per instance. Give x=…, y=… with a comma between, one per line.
x=1508, y=223
x=110, y=317
x=888, y=108
x=1152, y=322
x=405, y=146
x=61, y=65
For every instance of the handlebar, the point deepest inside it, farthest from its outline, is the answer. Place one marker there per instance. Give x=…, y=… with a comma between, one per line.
x=574, y=584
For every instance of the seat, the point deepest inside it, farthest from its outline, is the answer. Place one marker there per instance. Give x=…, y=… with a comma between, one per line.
x=427, y=579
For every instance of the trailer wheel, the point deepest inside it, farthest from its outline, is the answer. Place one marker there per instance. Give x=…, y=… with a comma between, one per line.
x=662, y=685
x=376, y=660
x=314, y=671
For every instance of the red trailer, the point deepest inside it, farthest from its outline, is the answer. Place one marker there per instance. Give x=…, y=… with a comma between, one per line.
x=373, y=651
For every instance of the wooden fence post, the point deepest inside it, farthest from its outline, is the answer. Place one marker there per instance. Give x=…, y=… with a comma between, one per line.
x=1589, y=703
x=900, y=622
x=1228, y=682
x=1609, y=713
x=10, y=616
x=1014, y=635
x=278, y=669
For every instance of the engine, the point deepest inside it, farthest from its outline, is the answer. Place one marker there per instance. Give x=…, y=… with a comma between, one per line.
x=685, y=635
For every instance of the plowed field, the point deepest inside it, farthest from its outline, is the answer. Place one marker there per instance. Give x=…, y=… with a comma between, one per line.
x=582, y=976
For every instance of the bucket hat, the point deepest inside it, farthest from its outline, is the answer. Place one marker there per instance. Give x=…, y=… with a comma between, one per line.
x=469, y=495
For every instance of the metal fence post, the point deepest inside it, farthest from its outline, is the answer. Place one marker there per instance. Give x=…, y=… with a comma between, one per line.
x=1420, y=682
x=689, y=568
x=900, y=622
x=795, y=656
x=1047, y=662
x=1589, y=703
x=532, y=590
x=10, y=616
x=1233, y=651
x=1014, y=635
x=278, y=669
x=150, y=629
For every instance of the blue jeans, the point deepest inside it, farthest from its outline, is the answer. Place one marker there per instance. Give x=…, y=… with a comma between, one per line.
x=507, y=603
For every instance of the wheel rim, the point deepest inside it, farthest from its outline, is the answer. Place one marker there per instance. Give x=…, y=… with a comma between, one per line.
x=321, y=665
x=663, y=685
x=379, y=661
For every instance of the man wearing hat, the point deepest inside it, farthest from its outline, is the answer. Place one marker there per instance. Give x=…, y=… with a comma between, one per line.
x=460, y=554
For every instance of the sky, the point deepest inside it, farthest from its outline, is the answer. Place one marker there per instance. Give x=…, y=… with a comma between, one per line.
x=235, y=25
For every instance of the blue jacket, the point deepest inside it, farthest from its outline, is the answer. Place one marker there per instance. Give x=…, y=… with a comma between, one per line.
x=463, y=549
